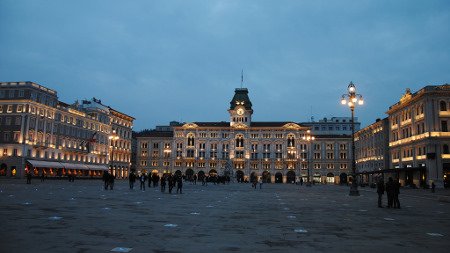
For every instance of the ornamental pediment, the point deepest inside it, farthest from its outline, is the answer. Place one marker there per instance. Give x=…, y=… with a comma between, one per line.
x=292, y=126
x=239, y=125
x=190, y=126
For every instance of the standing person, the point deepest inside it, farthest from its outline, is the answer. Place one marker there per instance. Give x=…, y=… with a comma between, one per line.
x=142, y=180
x=195, y=179
x=42, y=176
x=433, y=187
x=111, y=181
x=260, y=181
x=28, y=178
x=170, y=181
x=149, y=176
x=132, y=179
x=180, y=185
x=390, y=192
x=163, y=184
x=396, y=193
x=106, y=179
x=380, y=191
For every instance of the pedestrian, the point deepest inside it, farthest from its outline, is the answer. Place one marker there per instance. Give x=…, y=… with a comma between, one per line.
x=163, y=184
x=180, y=185
x=433, y=187
x=396, y=193
x=170, y=183
x=106, y=179
x=195, y=179
x=301, y=181
x=380, y=191
x=390, y=192
x=132, y=179
x=260, y=181
x=28, y=178
x=42, y=176
x=149, y=181
x=142, y=180
x=111, y=181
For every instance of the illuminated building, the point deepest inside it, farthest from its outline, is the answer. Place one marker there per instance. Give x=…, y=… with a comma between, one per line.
x=43, y=135
x=245, y=149
x=419, y=138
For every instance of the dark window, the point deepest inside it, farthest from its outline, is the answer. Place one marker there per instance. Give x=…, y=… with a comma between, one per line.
x=446, y=151
x=444, y=126
x=443, y=106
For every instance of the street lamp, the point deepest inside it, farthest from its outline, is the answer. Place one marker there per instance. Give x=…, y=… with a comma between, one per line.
x=351, y=99
x=308, y=138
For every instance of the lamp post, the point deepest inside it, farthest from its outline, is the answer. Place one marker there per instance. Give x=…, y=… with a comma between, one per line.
x=351, y=99
x=112, y=137
x=308, y=138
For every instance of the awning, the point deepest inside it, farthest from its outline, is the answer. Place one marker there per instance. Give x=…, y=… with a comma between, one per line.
x=75, y=166
x=45, y=164
x=97, y=167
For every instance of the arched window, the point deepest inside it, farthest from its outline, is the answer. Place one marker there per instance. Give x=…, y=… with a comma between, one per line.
x=191, y=142
x=291, y=141
x=446, y=151
x=443, y=106
x=239, y=141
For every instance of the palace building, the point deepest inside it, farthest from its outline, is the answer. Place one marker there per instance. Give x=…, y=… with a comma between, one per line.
x=245, y=149
x=41, y=135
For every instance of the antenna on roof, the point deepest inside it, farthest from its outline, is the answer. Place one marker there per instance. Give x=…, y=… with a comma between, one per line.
x=242, y=77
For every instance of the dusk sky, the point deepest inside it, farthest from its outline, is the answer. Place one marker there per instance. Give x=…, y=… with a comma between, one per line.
x=160, y=61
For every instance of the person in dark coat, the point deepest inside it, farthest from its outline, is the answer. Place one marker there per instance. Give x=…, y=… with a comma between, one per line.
x=433, y=187
x=28, y=178
x=132, y=179
x=390, y=192
x=396, y=193
x=380, y=191
x=170, y=181
x=149, y=176
x=142, y=179
x=106, y=179
x=163, y=184
x=180, y=185
x=112, y=178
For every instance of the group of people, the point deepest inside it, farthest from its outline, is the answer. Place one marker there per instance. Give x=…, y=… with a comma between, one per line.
x=392, y=189
x=108, y=180
x=171, y=180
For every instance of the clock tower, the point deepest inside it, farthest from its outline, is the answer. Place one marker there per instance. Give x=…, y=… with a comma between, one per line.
x=240, y=108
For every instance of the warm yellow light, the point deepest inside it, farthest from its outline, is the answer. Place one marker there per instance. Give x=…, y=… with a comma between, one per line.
x=343, y=101
x=354, y=99
x=350, y=104
x=361, y=101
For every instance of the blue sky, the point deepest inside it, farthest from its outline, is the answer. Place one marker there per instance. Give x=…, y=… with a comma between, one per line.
x=181, y=60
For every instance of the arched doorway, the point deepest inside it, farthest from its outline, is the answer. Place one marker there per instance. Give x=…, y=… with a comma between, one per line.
x=189, y=174
x=201, y=175
x=240, y=176
x=330, y=178
x=266, y=177
x=290, y=177
x=213, y=173
x=343, y=178
x=278, y=178
x=3, y=169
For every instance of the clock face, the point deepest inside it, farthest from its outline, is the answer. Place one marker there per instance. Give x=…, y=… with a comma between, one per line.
x=240, y=111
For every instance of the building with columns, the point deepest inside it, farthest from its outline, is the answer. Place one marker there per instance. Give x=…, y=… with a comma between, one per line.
x=244, y=149
x=41, y=135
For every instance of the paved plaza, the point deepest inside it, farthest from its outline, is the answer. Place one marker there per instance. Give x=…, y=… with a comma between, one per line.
x=59, y=216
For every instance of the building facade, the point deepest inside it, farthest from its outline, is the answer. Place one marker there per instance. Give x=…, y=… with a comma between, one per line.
x=372, y=150
x=41, y=135
x=419, y=136
x=244, y=149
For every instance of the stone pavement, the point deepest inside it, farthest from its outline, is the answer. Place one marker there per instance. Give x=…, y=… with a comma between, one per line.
x=58, y=216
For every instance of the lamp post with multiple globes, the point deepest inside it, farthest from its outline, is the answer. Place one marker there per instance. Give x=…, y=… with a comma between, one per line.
x=351, y=99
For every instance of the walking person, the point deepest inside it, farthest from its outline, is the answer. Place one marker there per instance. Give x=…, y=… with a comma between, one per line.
x=260, y=181
x=396, y=193
x=111, y=180
x=132, y=179
x=433, y=187
x=380, y=191
x=149, y=176
x=142, y=179
x=180, y=185
x=390, y=192
x=42, y=176
x=106, y=179
x=195, y=179
x=170, y=182
x=28, y=178
x=163, y=184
